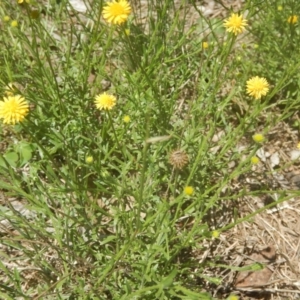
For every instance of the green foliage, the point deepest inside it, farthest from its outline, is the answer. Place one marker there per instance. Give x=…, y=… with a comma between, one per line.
x=120, y=226
x=18, y=156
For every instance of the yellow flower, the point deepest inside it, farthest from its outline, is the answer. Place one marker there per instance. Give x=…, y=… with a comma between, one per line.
x=14, y=23
x=279, y=8
x=293, y=19
x=257, y=87
x=254, y=160
x=258, y=138
x=126, y=119
x=105, y=101
x=89, y=159
x=205, y=45
x=22, y=1
x=215, y=234
x=233, y=297
x=188, y=190
x=298, y=145
x=235, y=24
x=13, y=109
x=6, y=18
x=116, y=12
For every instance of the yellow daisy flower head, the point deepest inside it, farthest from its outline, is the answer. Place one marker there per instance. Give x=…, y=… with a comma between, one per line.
x=105, y=101
x=89, y=159
x=293, y=19
x=235, y=24
x=126, y=119
x=116, y=12
x=13, y=109
x=6, y=18
x=258, y=138
x=233, y=297
x=257, y=87
x=215, y=234
x=23, y=1
x=188, y=190
x=14, y=23
x=298, y=145
x=254, y=160
x=205, y=45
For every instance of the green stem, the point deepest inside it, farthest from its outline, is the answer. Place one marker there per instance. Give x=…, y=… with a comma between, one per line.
x=114, y=131
x=142, y=181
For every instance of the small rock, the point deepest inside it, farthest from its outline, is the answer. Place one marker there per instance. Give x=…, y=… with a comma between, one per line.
x=218, y=136
x=105, y=84
x=295, y=154
x=78, y=5
x=274, y=159
x=261, y=154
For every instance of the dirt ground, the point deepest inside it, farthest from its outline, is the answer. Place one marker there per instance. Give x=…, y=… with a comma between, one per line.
x=271, y=237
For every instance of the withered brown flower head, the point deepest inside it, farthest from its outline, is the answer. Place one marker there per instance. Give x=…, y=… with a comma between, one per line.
x=178, y=159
